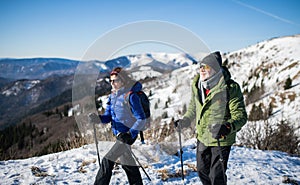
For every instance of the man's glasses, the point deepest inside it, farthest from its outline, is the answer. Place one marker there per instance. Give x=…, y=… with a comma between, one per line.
x=115, y=80
x=205, y=67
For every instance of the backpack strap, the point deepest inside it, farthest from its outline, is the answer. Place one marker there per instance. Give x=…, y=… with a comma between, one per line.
x=126, y=98
x=127, y=95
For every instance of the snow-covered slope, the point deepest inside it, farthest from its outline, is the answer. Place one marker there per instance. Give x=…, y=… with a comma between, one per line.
x=175, y=59
x=80, y=166
x=266, y=66
x=20, y=86
x=154, y=65
x=270, y=61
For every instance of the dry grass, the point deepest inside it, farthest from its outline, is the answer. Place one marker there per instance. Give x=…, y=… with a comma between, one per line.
x=85, y=163
x=165, y=174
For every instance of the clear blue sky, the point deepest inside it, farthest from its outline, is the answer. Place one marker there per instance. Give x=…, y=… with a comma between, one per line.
x=66, y=28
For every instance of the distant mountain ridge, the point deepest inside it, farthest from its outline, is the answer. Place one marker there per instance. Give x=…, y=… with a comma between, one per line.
x=41, y=68
x=36, y=68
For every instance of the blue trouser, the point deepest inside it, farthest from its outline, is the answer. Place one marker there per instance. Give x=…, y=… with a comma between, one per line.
x=122, y=151
x=209, y=166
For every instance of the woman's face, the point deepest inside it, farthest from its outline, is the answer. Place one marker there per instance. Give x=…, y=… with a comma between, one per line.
x=115, y=82
x=206, y=72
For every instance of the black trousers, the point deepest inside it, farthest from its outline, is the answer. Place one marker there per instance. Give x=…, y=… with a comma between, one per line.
x=209, y=166
x=142, y=136
x=122, y=151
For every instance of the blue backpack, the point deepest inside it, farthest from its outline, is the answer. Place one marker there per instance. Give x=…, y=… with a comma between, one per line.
x=145, y=104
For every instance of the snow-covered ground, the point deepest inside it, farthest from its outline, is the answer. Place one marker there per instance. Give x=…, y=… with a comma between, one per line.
x=80, y=166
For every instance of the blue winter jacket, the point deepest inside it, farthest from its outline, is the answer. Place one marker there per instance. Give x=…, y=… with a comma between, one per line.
x=123, y=118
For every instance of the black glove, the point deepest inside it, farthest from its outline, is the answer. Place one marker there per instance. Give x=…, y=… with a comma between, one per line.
x=93, y=118
x=185, y=122
x=126, y=138
x=220, y=130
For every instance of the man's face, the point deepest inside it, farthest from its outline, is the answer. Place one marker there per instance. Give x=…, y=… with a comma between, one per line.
x=205, y=72
x=115, y=82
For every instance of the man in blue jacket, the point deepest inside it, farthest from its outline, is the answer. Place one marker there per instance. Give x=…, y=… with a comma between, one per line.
x=126, y=123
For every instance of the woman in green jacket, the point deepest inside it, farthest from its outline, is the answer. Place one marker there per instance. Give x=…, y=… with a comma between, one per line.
x=218, y=107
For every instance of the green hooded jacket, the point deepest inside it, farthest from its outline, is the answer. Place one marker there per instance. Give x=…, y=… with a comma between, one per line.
x=216, y=110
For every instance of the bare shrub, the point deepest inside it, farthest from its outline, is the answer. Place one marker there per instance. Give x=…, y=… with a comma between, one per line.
x=266, y=136
x=284, y=138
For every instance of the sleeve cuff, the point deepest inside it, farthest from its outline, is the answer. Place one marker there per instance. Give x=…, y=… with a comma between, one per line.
x=134, y=133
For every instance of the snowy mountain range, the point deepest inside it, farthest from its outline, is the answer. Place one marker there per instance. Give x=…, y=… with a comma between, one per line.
x=41, y=68
x=261, y=70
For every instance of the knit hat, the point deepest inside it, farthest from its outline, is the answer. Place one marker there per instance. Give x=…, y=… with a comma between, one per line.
x=214, y=60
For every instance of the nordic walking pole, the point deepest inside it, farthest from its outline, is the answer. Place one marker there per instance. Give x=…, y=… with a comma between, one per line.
x=221, y=159
x=139, y=163
x=96, y=141
x=180, y=151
